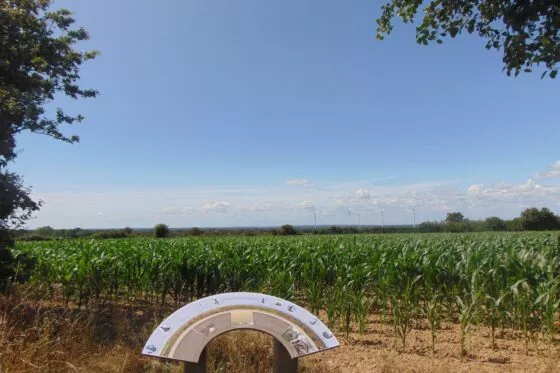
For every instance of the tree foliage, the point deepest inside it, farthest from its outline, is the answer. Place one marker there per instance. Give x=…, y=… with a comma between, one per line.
x=528, y=32
x=287, y=230
x=16, y=205
x=195, y=231
x=454, y=217
x=494, y=223
x=430, y=226
x=6, y=260
x=161, y=230
x=534, y=219
x=38, y=61
x=46, y=231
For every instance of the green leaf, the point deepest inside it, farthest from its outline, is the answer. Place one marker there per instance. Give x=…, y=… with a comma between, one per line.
x=470, y=28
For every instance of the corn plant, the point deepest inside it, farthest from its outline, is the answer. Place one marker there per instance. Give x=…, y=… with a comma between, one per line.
x=469, y=306
x=496, y=279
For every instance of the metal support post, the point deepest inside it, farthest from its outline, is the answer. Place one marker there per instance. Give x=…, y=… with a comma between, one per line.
x=199, y=367
x=282, y=362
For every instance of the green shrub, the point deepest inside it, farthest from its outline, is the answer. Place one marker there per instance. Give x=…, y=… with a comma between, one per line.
x=12, y=269
x=287, y=230
x=161, y=230
x=102, y=235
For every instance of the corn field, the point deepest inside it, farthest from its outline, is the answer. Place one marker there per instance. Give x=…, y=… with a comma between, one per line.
x=497, y=280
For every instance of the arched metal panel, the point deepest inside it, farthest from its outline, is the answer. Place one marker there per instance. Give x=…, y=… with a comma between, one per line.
x=185, y=333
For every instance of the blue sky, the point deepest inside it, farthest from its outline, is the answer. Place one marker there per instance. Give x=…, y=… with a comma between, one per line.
x=248, y=112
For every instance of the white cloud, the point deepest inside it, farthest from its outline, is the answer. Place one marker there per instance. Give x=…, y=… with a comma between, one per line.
x=552, y=173
x=385, y=201
x=475, y=190
x=220, y=206
x=410, y=199
x=363, y=193
x=178, y=211
x=526, y=194
x=307, y=205
x=297, y=182
x=300, y=182
x=259, y=208
x=273, y=205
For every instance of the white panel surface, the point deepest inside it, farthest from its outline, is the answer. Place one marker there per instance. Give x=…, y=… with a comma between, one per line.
x=305, y=334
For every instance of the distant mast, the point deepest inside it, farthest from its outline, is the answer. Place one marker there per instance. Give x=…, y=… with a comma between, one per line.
x=315, y=214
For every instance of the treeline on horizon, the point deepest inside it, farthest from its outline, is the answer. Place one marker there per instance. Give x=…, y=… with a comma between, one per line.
x=531, y=219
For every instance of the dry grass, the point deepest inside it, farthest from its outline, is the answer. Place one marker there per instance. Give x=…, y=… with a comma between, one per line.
x=248, y=352
x=40, y=337
x=35, y=337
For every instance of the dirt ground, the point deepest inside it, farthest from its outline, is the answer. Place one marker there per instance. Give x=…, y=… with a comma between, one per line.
x=374, y=352
x=35, y=337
